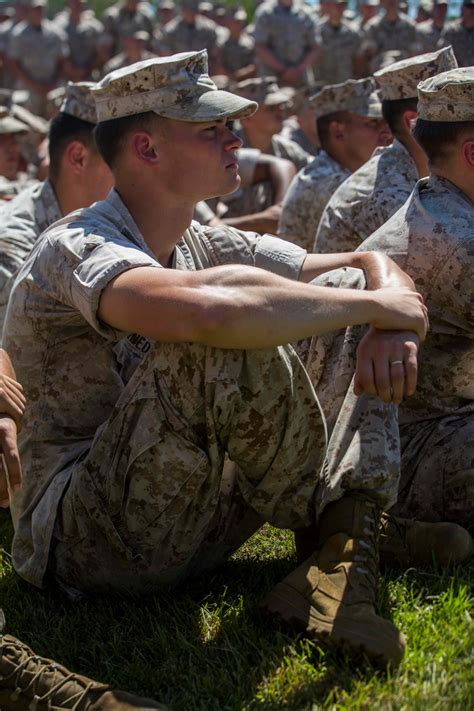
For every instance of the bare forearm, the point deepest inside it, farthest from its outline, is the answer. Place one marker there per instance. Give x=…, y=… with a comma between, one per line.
x=282, y=173
x=245, y=307
x=380, y=270
x=261, y=222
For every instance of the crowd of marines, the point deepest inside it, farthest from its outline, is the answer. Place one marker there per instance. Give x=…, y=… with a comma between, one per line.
x=236, y=268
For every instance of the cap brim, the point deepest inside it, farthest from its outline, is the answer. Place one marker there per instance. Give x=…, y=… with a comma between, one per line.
x=210, y=106
x=11, y=125
x=277, y=98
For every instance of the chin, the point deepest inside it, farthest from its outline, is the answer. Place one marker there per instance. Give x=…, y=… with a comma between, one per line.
x=226, y=188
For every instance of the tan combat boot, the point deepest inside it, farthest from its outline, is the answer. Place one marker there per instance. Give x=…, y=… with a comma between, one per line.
x=31, y=683
x=331, y=596
x=407, y=542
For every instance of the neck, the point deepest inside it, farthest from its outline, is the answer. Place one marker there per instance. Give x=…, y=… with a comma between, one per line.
x=75, y=16
x=133, y=56
x=463, y=181
x=68, y=193
x=391, y=15
x=151, y=206
x=341, y=155
x=416, y=153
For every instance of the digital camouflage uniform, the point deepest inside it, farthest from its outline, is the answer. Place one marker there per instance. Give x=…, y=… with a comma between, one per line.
x=294, y=133
x=22, y=220
x=237, y=52
x=306, y=198
x=123, y=461
x=462, y=41
x=284, y=147
x=179, y=36
x=366, y=199
x=10, y=188
x=376, y=190
x=431, y=238
x=121, y=60
x=313, y=186
x=382, y=35
x=36, y=208
x=289, y=32
x=118, y=21
x=83, y=37
x=39, y=53
x=428, y=36
x=338, y=47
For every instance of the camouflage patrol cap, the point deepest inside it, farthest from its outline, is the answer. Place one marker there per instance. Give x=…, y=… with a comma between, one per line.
x=236, y=13
x=34, y=3
x=142, y=35
x=400, y=80
x=358, y=96
x=79, y=101
x=448, y=96
x=189, y=5
x=176, y=87
x=265, y=91
x=9, y=124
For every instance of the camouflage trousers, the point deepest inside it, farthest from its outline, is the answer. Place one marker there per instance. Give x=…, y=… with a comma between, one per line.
x=436, y=456
x=437, y=470
x=153, y=502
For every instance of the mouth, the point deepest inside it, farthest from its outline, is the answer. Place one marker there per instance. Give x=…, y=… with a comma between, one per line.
x=232, y=166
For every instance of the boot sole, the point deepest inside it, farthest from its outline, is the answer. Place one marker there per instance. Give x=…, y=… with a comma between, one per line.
x=340, y=633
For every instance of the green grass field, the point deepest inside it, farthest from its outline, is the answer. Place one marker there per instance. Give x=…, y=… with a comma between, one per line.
x=206, y=646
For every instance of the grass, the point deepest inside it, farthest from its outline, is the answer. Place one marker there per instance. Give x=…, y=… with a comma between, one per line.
x=207, y=647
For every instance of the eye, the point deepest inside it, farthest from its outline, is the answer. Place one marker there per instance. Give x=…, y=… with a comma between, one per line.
x=230, y=125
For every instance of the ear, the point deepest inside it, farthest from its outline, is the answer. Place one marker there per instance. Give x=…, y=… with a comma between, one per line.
x=76, y=155
x=468, y=153
x=144, y=147
x=408, y=118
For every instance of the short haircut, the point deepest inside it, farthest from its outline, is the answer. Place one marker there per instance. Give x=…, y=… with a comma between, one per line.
x=323, y=123
x=110, y=135
x=437, y=137
x=393, y=110
x=65, y=129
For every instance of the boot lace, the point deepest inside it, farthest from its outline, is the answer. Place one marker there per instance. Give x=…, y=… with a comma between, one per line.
x=32, y=686
x=367, y=556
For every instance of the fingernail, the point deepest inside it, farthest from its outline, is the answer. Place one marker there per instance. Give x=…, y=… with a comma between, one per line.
x=4, y=504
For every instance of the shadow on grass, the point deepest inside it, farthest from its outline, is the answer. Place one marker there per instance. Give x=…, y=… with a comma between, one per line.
x=204, y=646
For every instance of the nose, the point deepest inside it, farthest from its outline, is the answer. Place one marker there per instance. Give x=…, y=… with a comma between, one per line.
x=232, y=142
